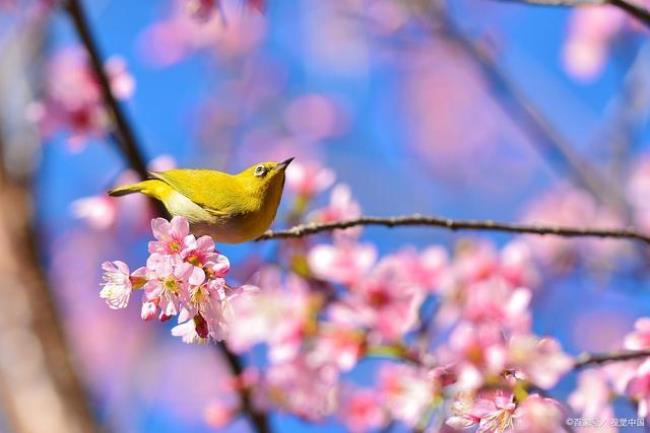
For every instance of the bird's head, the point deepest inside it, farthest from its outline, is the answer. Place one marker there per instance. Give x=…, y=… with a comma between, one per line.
x=265, y=176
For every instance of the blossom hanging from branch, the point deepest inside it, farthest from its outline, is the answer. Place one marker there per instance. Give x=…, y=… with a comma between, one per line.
x=184, y=276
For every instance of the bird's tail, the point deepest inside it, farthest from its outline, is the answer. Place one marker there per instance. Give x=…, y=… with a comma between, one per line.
x=153, y=188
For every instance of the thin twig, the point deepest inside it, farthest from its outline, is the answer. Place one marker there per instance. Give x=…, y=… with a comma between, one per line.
x=634, y=9
x=125, y=136
x=451, y=224
x=589, y=359
x=551, y=144
x=258, y=418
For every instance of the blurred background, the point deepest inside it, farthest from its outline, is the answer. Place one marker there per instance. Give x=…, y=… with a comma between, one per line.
x=466, y=109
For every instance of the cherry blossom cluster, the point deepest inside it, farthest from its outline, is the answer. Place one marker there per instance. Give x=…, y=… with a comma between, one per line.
x=450, y=334
x=447, y=334
x=184, y=277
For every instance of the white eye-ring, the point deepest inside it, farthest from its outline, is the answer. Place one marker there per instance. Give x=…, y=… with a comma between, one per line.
x=260, y=171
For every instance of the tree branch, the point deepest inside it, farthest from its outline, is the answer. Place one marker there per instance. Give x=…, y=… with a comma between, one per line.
x=125, y=133
x=126, y=139
x=589, y=359
x=636, y=10
x=548, y=142
x=454, y=225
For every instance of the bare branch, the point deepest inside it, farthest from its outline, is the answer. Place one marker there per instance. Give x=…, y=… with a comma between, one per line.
x=634, y=9
x=589, y=359
x=454, y=225
x=125, y=137
x=547, y=140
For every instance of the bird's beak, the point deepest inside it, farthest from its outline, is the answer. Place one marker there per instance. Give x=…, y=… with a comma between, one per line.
x=284, y=164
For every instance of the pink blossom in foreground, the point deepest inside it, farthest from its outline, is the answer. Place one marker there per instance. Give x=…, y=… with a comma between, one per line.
x=383, y=301
x=361, y=410
x=591, y=398
x=72, y=98
x=477, y=354
x=494, y=301
x=497, y=412
x=537, y=414
x=308, y=179
x=339, y=344
x=280, y=316
x=492, y=411
x=170, y=235
x=639, y=389
x=407, y=392
x=540, y=361
x=307, y=390
x=183, y=277
x=117, y=284
x=345, y=262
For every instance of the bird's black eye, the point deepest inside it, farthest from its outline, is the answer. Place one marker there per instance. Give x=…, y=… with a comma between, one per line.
x=260, y=171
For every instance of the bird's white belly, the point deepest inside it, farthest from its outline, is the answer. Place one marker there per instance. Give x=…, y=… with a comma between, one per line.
x=179, y=205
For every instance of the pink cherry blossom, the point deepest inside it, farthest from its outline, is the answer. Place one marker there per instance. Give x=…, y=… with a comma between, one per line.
x=167, y=284
x=591, y=398
x=497, y=412
x=494, y=301
x=492, y=411
x=304, y=389
x=640, y=338
x=407, y=392
x=183, y=276
x=279, y=315
x=72, y=97
x=341, y=206
x=117, y=285
x=170, y=236
x=383, y=301
x=590, y=33
x=307, y=179
x=639, y=389
x=541, y=361
x=361, y=411
x=517, y=264
x=99, y=212
x=338, y=344
x=202, y=254
x=538, y=414
x=345, y=262
x=475, y=352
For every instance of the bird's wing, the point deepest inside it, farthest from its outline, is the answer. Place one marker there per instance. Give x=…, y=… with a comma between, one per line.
x=214, y=191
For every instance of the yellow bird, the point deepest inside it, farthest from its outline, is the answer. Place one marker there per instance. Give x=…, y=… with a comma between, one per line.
x=232, y=208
